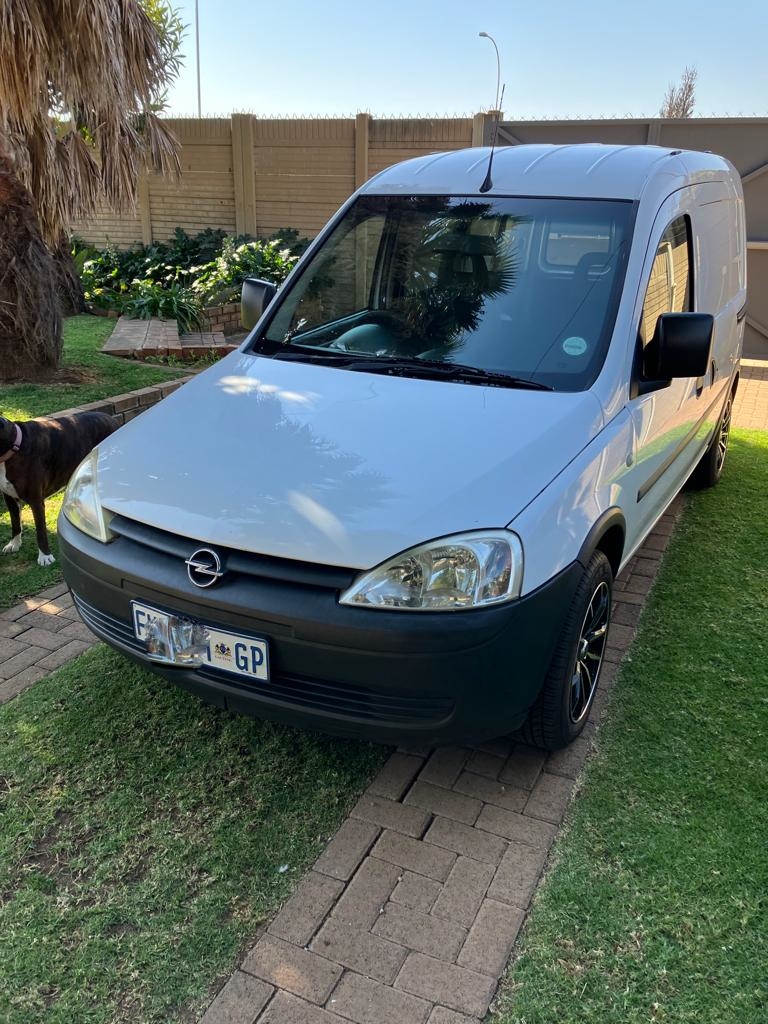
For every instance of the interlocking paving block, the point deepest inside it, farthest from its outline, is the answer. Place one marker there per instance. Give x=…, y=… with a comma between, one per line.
x=570, y=760
x=445, y=802
x=363, y=899
x=347, y=848
x=396, y=775
x=441, y=1015
x=458, y=988
x=520, y=827
x=482, y=762
x=377, y=809
x=491, y=938
x=421, y=857
x=304, y=912
x=471, y=842
x=287, y=1009
x=427, y=934
x=288, y=967
x=240, y=1001
x=10, y=688
x=550, y=798
x=367, y=1002
x=361, y=951
x=443, y=767
x=416, y=892
x=518, y=874
x=463, y=893
x=523, y=767
x=490, y=791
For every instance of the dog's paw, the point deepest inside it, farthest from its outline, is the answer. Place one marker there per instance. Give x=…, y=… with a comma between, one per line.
x=13, y=545
x=43, y=559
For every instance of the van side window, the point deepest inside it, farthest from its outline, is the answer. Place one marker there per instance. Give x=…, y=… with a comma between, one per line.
x=669, y=287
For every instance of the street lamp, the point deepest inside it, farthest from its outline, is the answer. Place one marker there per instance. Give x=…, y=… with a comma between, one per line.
x=197, y=49
x=484, y=35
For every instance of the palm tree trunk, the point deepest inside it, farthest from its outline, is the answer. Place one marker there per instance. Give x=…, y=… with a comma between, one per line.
x=30, y=322
x=68, y=284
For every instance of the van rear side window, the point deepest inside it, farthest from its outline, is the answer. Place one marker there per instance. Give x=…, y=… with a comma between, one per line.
x=669, y=286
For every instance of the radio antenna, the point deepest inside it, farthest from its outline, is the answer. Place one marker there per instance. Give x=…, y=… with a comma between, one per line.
x=488, y=183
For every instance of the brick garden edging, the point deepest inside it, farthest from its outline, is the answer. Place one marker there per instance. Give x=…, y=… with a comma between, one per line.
x=126, y=407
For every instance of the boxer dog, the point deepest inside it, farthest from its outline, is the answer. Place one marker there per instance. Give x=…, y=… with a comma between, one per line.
x=37, y=458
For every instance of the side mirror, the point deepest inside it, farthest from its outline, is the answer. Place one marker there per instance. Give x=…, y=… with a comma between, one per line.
x=681, y=346
x=254, y=299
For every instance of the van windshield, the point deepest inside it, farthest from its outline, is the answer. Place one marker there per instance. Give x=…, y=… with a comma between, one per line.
x=526, y=288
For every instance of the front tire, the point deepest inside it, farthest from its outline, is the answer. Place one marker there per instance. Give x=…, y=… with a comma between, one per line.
x=562, y=708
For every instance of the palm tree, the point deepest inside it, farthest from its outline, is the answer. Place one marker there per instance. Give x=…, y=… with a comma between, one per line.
x=80, y=88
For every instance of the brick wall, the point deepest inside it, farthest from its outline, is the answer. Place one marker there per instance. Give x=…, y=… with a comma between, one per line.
x=224, y=318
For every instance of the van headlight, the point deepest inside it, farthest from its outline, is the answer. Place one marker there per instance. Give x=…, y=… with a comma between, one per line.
x=469, y=570
x=81, y=503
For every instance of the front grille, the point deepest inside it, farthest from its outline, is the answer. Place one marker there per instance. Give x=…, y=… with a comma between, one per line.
x=107, y=627
x=235, y=562
x=342, y=699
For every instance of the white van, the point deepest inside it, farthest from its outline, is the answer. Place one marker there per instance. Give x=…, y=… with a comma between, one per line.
x=398, y=509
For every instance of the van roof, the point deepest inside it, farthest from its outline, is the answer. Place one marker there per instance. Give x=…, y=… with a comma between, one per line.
x=588, y=170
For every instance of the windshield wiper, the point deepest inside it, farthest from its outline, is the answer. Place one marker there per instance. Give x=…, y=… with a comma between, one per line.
x=412, y=366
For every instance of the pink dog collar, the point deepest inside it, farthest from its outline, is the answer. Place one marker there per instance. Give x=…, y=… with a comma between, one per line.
x=15, y=446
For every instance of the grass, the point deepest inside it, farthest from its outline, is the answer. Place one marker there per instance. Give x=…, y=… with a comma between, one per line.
x=144, y=837
x=20, y=575
x=86, y=374
x=656, y=907
x=97, y=376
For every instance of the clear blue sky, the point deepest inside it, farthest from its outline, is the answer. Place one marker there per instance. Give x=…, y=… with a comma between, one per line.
x=560, y=58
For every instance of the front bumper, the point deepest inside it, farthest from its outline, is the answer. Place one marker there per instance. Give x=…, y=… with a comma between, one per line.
x=392, y=677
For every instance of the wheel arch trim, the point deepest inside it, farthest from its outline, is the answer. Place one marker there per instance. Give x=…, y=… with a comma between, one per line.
x=612, y=519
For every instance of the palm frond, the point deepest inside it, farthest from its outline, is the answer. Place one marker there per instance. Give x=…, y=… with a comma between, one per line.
x=99, y=68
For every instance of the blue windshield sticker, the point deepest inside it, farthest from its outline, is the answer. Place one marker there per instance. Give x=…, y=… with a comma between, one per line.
x=574, y=346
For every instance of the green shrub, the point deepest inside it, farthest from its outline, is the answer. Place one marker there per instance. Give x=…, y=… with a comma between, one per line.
x=146, y=299
x=176, y=279
x=221, y=280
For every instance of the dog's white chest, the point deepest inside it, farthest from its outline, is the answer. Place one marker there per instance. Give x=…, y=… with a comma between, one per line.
x=5, y=484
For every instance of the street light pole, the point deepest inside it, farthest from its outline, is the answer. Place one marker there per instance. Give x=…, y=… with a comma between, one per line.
x=197, y=48
x=484, y=35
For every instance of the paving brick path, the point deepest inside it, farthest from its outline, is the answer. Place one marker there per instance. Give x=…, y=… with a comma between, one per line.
x=410, y=913
x=38, y=636
x=158, y=337
x=750, y=410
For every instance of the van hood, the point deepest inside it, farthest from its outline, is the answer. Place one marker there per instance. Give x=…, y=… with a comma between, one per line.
x=336, y=466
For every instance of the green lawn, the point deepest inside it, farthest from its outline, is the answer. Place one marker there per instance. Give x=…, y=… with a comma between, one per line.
x=656, y=909
x=99, y=376
x=94, y=375
x=144, y=837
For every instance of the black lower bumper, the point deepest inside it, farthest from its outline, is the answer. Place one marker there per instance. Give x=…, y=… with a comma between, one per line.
x=388, y=676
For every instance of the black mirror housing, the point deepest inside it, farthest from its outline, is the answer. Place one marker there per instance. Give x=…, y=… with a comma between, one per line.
x=681, y=346
x=255, y=296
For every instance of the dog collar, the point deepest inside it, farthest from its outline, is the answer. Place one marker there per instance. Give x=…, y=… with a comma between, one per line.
x=15, y=446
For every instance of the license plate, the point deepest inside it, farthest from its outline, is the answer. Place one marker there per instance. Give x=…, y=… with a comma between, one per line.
x=179, y=640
